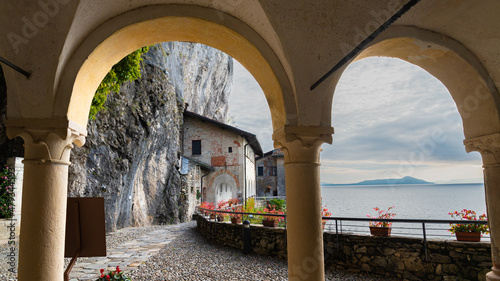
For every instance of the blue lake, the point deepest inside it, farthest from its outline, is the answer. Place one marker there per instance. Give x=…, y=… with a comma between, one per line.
x=431, y=201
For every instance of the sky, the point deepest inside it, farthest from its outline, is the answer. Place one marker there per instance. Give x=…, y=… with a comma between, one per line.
x=392, y=119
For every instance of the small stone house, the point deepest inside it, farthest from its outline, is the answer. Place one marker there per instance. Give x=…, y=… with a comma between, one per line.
x=218, y=160
x=271, y=174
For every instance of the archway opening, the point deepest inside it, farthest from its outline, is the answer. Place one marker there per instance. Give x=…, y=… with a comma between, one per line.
x=393, y=121
x=102, y=51
x=101, y=56
x=176, y=77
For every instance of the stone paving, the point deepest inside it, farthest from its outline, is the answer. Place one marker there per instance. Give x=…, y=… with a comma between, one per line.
x=129, y=255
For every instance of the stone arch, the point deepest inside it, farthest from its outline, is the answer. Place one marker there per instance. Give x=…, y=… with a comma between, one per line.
x=460, y=71
x=225, y=180
x=123, y=34
x=235, y=178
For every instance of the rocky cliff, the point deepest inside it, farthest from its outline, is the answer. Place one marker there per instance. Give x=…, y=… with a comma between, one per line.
x=201, y=75
x=133, y=147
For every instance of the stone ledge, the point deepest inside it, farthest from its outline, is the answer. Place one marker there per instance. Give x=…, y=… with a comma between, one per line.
x=400, y=257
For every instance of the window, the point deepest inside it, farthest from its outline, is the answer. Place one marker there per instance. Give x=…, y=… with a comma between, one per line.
x=260, y=171
x=196, y=147
x=230, y=150
x=273, y=171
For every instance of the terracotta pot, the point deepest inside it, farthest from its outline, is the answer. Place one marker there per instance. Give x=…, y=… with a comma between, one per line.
x=468, y=236
x=212, y=216
x=220, y=218
x=235, y=220
x=270, y=223
x=380, y=231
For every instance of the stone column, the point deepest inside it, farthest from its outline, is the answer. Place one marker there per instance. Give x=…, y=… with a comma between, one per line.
x=489, y=147
x=301, y=146
x=47, y=149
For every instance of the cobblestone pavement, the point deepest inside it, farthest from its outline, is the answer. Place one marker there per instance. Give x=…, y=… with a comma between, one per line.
x=178, y=252
x=128, y=255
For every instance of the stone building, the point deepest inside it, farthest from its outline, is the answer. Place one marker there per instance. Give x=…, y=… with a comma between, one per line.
x=271, y=173
x=218, y=159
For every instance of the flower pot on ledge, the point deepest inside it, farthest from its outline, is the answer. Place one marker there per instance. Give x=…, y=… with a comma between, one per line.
x=380, y=231
x=468, y=236
x=270, y=223
x=212, y=216
x=220, y=218
x=235, y=220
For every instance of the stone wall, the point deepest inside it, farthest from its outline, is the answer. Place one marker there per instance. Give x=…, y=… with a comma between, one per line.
x=265, y=241
x=400, y=257
x=404, y=258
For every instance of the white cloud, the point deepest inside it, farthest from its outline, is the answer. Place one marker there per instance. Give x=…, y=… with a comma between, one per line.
x=389, y=119
x=248, y=107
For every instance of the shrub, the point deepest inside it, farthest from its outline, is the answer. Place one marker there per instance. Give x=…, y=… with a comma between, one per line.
x=278, y=204
x=128, y=69
x=250, y=205
x=7, y=180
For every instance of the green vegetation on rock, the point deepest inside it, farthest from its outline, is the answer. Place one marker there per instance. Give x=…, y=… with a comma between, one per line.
x=128, y=69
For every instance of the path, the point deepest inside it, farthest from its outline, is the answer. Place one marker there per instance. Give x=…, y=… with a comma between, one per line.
x=128, y=255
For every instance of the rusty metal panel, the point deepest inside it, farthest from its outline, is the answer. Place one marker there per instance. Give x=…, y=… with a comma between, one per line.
x=85, y=227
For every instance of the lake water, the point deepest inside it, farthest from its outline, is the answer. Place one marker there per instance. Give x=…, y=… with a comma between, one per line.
x=430, y=201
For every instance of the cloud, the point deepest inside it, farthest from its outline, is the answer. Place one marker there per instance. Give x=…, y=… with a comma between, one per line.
x=248, y=107
x=387, y=114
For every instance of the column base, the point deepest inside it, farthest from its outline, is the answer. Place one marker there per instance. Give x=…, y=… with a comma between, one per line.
x=493, y=275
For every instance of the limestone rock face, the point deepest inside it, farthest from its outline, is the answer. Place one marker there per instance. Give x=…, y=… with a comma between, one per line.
x=131, y=157
x=200, y=75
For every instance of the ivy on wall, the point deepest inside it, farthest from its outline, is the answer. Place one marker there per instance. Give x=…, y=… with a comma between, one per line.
x=128, y=69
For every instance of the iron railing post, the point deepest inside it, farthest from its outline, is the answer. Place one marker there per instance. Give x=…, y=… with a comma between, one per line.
x=425, y=242
x=337, y=232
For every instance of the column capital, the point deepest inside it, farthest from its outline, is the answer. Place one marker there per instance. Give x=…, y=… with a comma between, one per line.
x=46, y=140
x=301, y=144
x=488, y=146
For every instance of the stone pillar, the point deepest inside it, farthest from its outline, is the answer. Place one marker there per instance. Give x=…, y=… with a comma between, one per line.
x=47, y=149
x=301, y=146
x=489, y=147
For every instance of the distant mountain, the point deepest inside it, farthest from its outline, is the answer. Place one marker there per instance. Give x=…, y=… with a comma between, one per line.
x=405, y=180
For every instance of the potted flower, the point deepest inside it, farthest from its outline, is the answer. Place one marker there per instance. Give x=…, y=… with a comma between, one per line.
x=113, y=275
x=221, y=205
x=325, y=213
x=469, y=232
x=271, y=221
x=236, y=218
x=211, y=206
x=379, y=228
x=267, y=190
x=233, y=201
x=204, y=205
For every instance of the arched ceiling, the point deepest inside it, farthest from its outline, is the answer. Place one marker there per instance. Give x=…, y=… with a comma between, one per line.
x=306, y=40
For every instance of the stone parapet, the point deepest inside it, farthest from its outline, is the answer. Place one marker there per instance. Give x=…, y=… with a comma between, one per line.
x=404, y=257
x=399, y=257
x=265, y=241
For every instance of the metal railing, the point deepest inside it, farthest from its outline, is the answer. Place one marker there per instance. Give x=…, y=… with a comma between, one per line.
x=269, y=197
x=400, y=227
